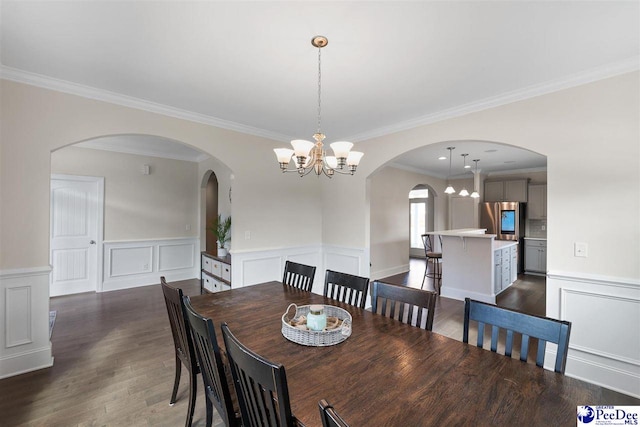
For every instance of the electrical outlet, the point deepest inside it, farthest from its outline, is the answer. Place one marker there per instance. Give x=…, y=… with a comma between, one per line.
x=247, y=235
x=145, y=267
x=580, y=249
x=187, y=227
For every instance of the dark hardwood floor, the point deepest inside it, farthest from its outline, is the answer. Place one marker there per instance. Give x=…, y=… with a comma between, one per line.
x=114, y=362
x=527, y=294
x=114, y=366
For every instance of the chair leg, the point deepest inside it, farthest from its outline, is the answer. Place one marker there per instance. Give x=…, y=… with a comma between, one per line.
x=209, y=411
x=176, y=382
x=437, y=275
x=193, y=383
x=426, y=268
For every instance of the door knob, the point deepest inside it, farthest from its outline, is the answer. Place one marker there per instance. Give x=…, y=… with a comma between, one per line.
x=92, y=242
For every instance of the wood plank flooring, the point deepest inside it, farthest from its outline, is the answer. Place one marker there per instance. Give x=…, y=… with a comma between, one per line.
x=114, y=363
x=113, y=366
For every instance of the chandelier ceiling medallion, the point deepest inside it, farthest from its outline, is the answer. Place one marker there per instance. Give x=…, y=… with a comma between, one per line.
x=308, y=156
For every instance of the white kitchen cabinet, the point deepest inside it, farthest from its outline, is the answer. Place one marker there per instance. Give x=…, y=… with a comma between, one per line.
x=537, y=204
x=505, y=263
x=513, y=265
x=514, y=190
x=535, y=256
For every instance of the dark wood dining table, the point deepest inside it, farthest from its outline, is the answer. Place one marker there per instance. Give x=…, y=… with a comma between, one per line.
x=390, y=374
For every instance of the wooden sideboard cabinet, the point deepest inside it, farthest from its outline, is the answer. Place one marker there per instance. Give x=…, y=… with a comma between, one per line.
x=215, y=275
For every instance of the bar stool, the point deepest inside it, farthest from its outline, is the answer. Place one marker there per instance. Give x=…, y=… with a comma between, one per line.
x=435, y=258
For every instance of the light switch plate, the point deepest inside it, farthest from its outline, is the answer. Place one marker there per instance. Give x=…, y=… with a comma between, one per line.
x=580, y=249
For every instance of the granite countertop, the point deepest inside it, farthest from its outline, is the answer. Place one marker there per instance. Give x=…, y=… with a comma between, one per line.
x=535, y=238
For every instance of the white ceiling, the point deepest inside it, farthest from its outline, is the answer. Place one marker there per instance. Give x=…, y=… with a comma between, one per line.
x=250, y=66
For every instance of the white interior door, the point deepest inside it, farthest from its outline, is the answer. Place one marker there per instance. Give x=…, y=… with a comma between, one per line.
x=76, y=224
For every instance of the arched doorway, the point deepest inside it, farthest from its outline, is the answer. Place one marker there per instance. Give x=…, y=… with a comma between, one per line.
x=211, y=212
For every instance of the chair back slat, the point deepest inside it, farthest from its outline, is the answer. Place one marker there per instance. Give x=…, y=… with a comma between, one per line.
x=543, y=329
x=346, y=288
x=211, y=363
x=261, y=386
x=178, y=322
x=299, y=275
x=408, y=305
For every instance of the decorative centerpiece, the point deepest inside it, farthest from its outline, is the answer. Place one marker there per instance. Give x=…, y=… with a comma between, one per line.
x=316, y=325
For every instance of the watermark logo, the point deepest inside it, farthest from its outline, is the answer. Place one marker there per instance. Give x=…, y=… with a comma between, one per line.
x=586, y=414
x=608, y=416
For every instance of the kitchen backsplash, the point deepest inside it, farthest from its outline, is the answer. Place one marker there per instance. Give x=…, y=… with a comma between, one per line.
x=536, y=228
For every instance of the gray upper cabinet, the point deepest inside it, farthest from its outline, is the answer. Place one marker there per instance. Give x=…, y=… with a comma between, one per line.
x=514, y=190
x=537, y=205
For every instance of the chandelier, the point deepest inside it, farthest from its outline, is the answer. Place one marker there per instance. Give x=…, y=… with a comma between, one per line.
x=308, y=156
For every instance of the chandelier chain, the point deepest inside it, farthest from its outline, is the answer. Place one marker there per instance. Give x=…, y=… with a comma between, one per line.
x=319, y=88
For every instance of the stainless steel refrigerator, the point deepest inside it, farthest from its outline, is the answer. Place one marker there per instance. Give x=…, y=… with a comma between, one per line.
x=506, y=221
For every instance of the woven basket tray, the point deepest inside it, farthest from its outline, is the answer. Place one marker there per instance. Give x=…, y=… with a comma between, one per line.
x=317, y=338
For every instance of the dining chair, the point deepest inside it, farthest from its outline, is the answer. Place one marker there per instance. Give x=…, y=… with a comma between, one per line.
x=216, y=385
x=330, y=418
x=299, y=275
x=544, y=329
x=183, y=344
x=347, y=288
x=435, y=258
x=405, y=304
x=261, y=386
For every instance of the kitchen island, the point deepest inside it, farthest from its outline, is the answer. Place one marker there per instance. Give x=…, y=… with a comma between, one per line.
x=476, y=265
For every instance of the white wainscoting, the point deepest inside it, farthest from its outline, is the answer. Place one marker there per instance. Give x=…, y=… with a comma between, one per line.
x=129, y=264
x=251, y=267
x=24, y=313
x=604, y=346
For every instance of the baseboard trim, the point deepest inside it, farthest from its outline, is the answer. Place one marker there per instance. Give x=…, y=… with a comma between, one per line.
x=404, y=268
x=28, y=361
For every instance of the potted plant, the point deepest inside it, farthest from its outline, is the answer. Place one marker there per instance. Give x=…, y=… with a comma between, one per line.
x=222, y=230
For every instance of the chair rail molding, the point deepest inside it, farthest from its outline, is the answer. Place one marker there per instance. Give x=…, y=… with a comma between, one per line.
x=133, y=263
x=604, y=347
x=24, y=311
x=250, y=267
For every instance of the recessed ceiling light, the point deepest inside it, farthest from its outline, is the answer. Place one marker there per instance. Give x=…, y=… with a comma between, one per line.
x=493, y=150
x=442, y=158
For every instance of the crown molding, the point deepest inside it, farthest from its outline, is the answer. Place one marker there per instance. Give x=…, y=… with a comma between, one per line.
x=58, y=85
x=609, y=70
x=415, y=170
x=599, y=73
x=106, y=146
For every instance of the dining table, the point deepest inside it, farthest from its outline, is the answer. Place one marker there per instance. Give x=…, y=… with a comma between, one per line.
x=387, y=373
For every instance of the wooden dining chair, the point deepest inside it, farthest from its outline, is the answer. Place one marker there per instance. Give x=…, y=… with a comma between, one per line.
x=183, y=344
x=544, y=329
x=299, y=275
x=347, y=288
x=405, y=304
x=330, y=418
x=261, y=386
x=216, y=387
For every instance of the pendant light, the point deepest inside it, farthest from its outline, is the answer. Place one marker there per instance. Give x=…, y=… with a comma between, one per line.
x=449, y=189
x=475, y=193
x=464, y=192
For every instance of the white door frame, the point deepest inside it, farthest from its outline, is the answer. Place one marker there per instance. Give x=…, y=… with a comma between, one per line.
x=99, y=180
